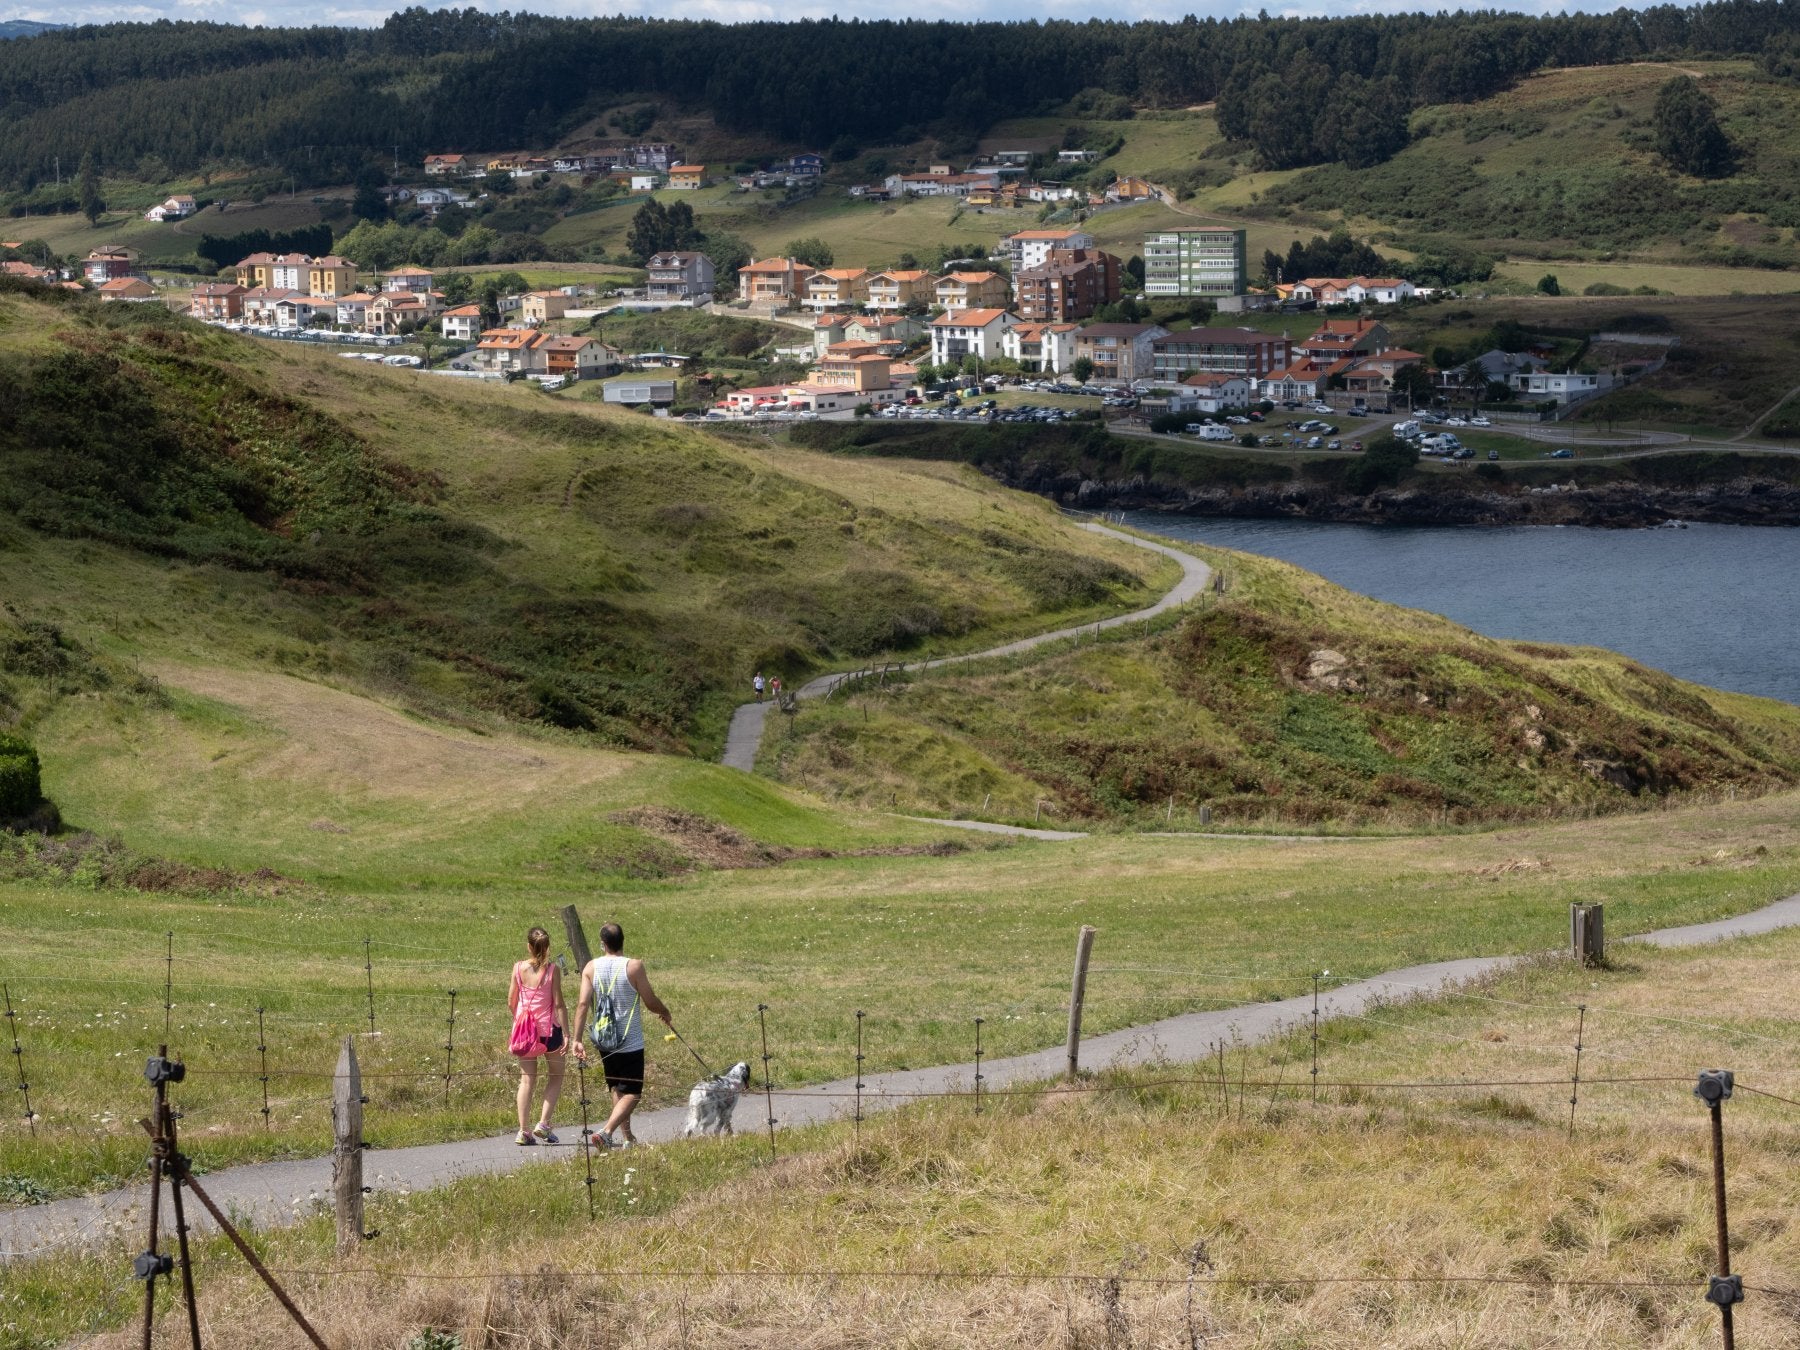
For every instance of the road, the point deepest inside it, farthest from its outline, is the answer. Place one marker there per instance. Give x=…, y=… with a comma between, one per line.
x=746, y=730
x=274, y=1194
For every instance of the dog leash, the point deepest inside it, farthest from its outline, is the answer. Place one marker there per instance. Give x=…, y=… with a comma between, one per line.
x=675, y=1035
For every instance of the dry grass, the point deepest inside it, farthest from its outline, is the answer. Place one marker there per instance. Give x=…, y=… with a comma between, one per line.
x=1418, y=1219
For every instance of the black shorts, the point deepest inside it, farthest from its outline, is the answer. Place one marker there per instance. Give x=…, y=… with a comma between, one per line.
x=624, y=1070
x=555, y=1042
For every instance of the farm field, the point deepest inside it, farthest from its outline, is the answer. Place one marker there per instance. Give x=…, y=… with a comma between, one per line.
x=1433, y=1190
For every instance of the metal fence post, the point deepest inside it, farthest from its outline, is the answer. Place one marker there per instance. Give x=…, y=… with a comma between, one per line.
x=1724, y=1290
x=1084, y=946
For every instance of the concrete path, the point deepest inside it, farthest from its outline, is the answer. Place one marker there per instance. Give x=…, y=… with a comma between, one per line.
x=746, y=730
x=276, y=1193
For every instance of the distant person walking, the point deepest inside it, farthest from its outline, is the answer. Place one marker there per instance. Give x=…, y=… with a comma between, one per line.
x=775, y=687
x=540, y=1015
x=758, y=683
x=617, y=988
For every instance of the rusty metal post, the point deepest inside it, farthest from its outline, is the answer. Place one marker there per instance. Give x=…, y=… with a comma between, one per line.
x=1575, y=1077
x=859, y=1077
x=762, y=1021
x=1723, y=1290
x=978, y=1074
x=262, y=1051
x=12, y=1022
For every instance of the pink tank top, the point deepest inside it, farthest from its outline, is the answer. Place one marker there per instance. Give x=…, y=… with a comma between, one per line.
x=536, y=1002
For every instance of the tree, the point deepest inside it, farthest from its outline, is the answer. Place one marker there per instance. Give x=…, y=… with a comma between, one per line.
x=429, y=341
x=1549, y=285
x=1413, y=383
x=927, y=373
x=1082, y=368
x=1385, y=462
x=1134, y=272
x=1687, y=130
x=92, y=203
x=498, y=182
x=812, y=251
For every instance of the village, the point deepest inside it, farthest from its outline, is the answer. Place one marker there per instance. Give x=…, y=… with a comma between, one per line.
x=1153, y=334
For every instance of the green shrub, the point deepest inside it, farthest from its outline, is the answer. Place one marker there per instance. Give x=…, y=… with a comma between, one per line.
x=21, y=785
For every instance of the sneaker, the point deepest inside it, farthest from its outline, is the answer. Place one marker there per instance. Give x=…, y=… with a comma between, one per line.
x=524, y=1138
x=545, y=1133
x=601, y=1140
x=626, y=1143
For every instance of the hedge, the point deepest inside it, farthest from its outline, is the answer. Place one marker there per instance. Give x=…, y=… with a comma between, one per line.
x=20, y=787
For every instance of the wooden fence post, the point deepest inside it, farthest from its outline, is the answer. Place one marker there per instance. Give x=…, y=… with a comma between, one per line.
x=1084, y=946
x=578, y=943
x=1587, y=934
x=346, y=1149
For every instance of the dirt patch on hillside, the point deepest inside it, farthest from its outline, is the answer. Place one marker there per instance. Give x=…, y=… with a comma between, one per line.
x=711, y=845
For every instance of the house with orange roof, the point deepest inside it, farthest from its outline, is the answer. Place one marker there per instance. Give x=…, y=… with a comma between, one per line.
x=400, y=311
x=1340, y=338
x=1294, y=384
x=687, y=177
x=446, y=166
x=1132, y=190
x=24, y=271
x=1121, y=352
x=898, y=289
x=773, y=283
x=898, y=329
x=568, y=357
x=972, y=290
x=353, y=310
x=960, y=333
x=217, y=302
x=1046, y=347
x=108, y=263
x=511, y=350
x=462, y=324
x=836, y=288
x=1032, y=248
x=178, y=207
x=1379, y=290
x=127, y=288
x=1369, y=380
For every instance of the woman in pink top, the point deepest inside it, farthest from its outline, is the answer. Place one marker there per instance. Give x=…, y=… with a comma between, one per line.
x=536, y=999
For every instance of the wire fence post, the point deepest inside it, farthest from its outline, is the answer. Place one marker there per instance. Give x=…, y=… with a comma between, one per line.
x=449, y=1046
x=762, y=1021
x=369, y=974
x=1575, y=1077
x=262, y=1053
x=859, y=1077
x=12, y=1023
x=978, y=1074
x=587, y=1139
x=347, y=1149
x=1723, y=1290
x=168, y=985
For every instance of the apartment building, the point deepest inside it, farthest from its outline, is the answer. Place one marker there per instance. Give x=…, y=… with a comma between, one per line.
x=1195, y=263
x=1219, y=351
x=1068, y=287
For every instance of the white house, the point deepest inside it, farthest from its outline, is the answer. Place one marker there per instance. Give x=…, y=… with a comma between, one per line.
x=1380, y=290
x=1047, y=347
x=175, y=208
x=1557, y=388
x=462, y=324
x=1032, y=248
x=980, y=333
x=1212, y=393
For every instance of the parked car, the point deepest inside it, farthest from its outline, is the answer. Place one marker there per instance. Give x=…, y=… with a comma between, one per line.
x=1480, y=422
x=1356, y=445
x=1335, y=445
x=1493, y=455
x=1564, y=453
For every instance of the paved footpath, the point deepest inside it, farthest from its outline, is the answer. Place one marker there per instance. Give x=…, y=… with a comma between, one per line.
x=275, y=1193
x=746, y=730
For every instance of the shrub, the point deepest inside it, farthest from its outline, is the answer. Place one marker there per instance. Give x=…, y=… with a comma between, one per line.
x=21, y=785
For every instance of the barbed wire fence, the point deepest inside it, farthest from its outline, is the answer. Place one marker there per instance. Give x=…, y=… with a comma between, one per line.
x=1713, y=1087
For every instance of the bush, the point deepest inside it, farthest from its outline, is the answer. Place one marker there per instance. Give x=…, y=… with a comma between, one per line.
x=21, y=785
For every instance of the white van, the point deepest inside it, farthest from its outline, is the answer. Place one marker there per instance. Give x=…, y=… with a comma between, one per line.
x=1216, y=433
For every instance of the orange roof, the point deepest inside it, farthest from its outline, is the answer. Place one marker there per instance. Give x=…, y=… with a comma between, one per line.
x=841, y=273
x=968, y=318
x=971, y=278
x=408, y=271
x=687, y=168
x=463, y=312
x=1046, y=234
x=775, y=265
x=909, y=275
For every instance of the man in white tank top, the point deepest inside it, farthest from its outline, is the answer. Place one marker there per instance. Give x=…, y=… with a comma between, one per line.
x=624, y=978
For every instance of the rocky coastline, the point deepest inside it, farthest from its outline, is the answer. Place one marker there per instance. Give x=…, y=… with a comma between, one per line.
x=1475, y=501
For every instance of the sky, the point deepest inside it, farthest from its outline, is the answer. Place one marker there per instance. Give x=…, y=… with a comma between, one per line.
x=351, y=12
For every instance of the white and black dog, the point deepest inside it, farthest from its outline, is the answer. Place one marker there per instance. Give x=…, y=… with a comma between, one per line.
x=711, y=1102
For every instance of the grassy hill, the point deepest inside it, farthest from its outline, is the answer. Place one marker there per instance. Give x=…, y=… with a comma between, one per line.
x=1288, y=700
x=483, y=553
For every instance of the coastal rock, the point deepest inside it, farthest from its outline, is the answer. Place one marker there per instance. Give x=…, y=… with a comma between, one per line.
x=1327, y=669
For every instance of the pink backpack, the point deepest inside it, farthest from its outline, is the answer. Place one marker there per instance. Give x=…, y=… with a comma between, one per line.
x=535, y=1019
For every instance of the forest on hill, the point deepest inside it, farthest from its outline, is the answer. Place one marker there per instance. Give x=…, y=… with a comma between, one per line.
x=322, y=103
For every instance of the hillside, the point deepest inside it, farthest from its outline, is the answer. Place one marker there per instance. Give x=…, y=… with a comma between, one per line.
x=1288, y=701
x=483, y=553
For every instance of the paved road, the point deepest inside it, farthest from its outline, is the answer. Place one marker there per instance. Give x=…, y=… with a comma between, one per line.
x=276, y=1193
x=746, y=730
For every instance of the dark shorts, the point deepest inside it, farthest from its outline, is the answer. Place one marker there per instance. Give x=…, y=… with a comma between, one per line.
x=624, y=1070
x=555, y=1043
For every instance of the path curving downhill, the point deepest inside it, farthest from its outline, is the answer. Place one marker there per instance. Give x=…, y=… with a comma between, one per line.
x=277, y=1194
x=746, y=730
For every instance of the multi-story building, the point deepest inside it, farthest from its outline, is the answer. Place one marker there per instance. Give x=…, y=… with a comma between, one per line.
x=1045, y=347
x=577, y=358
x=679, y=276
x=893, y=291
x=1069, y=286
x=353, y=310
x=971, y=290
x=1219, y=351
x=539, y=307
x=442, y=166
x=1338, y=339
x=775, y=283
x=687, y=177
x=329, y=277
x=962, y=333
x=1121, y=352
x=109, y=262
x=1032, y=248
x=415, y=279
x=511, y=350
x=836, y=288
x=217, y=302
x=1195, y=263
x=462, y=324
